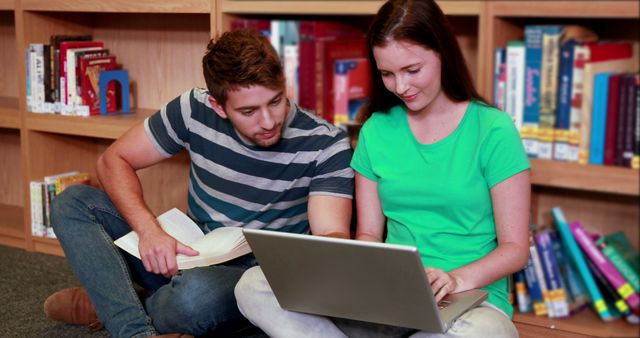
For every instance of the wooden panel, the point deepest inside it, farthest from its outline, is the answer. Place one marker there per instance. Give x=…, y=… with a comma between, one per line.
x=109, y=127
x=48, y=246
x=584, y=9
x=11, y=225
x=8, y=5
x=8, y=62
x=9, y=113
x=584, y=324
x=123, y=6
x=162, y=53
x=10, y=168
x=600, y=213
x=585, y=177
x=336, y=7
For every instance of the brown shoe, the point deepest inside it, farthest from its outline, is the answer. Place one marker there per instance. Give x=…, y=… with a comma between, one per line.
x=72, y=306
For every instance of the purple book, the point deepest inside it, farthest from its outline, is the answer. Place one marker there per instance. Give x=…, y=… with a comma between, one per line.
x=600, y=260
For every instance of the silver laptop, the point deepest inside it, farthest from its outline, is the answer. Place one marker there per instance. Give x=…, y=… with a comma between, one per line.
x=373, y=282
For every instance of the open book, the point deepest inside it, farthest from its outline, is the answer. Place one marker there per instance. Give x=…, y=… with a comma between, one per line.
x=218, y=246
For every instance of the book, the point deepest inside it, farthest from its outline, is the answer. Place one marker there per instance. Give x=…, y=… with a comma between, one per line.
x=522, y=295
x=613, y=107
x=563, y=110
x=622, y=287
x=37, y=222
x=533, y=285
x=352, y=80
x=542, y=281
x=64, y=182
x=557, y=292
x=630, y=120
x=576, y=256
x=611, y=296
x=90, y=69
x=623, y=256
x=499, y=77
x=219, y=245
x=64, y=46
x=548, y=88
x=577, y=296
x=590, y=70
x=635, y=159
x=514, y=95
x=599, y=118
x=54, y=41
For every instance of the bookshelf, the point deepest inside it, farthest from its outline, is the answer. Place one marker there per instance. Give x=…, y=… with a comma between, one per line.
x=604, y=199
x=160, y=43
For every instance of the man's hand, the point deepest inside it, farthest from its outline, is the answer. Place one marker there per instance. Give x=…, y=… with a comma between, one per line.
x=158, y=252
x=442, y=283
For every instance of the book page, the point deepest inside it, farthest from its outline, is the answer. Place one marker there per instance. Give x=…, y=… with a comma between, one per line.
x=177, y=224
x=218, y=246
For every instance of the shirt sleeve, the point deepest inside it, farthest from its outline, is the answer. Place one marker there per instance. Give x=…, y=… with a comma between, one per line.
x=167, y=127
x=361, y=162
x=503, y=153
x=333, y=176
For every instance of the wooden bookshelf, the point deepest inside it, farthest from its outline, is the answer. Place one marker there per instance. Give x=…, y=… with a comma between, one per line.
x=161, y=42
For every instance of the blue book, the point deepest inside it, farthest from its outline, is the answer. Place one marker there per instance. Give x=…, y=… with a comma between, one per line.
x=599, y=117
x=563, y=110
x=598, y=303
x=557, y=293
x=537, y=300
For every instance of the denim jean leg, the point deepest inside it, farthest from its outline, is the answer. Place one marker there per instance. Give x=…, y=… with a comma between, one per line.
x=86, y=222
x=200, y=301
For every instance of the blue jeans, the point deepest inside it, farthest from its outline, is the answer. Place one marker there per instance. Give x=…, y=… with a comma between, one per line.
x=197, y=301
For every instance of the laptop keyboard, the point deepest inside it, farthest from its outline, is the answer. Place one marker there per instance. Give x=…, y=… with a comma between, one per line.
x=443, y=303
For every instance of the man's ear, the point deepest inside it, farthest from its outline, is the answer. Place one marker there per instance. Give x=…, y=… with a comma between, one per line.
x=217, y=108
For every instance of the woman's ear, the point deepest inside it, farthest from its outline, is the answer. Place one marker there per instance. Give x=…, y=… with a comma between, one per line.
x=217, y=107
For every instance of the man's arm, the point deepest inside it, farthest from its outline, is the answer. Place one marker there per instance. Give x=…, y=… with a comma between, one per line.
x=329, y=215
x=116, y=169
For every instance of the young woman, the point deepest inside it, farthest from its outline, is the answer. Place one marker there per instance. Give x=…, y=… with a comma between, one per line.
x=436, y=168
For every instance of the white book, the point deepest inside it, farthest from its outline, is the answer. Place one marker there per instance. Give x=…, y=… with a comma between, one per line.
x=218, y=246
x=514, y=99
x=37, y=221
x=72, y=90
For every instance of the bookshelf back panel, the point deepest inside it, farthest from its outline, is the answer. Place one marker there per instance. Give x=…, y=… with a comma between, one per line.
x=162, y=52
x=165, y=185
x=603, y=213
x=10, y=168
x=8, y=55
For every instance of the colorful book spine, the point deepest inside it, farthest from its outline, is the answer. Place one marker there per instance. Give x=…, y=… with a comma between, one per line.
x=577, y=257
x=613, y=106
x=563, y=111
x=626, y=270
x=627, y=149
x=635, y=159
x=522, y=295
x=577, y=296
x=612, y=275
x=542, y=282
x=537, y=300
x=548, y=88
x=581, y=55
x=499, y=77
x=557, y=292
x=514, y=93
x=599, y=118
x=610, y=293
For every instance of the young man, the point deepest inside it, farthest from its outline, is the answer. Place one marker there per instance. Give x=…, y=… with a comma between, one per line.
x=256, y=161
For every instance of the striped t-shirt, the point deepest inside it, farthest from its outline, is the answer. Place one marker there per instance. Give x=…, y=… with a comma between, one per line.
x=233, y=183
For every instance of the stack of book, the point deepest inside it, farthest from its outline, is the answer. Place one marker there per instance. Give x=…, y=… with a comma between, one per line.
x=43, y=192
x=573, y=97
x=62, y=76
x=314, y=52
x=570, y=268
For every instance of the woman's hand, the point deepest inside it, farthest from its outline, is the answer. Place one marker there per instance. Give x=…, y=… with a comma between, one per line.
x=443, y=283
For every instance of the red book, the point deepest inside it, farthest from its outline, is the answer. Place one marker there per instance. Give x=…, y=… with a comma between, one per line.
x=90, y=69
x=313, y=32
x=612, y=120
x=609, y=50
x=64, y=46
x=327, y=54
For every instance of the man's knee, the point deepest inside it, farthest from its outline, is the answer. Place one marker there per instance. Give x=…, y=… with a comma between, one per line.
x=71, y=202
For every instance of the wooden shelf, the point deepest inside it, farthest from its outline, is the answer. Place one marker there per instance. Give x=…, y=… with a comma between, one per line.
x=334, y=7
x=9, y=113
x=573, y=9
x=108, y=127
x=120, y=6
x=12, y=225
x=584, y=324
x=593, y=178
x=48, y=246
x=7, y=5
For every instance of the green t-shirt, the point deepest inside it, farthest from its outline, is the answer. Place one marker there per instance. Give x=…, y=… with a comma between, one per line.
x=436, y=196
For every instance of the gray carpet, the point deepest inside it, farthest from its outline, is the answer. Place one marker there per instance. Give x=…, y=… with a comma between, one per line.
x=26, y=280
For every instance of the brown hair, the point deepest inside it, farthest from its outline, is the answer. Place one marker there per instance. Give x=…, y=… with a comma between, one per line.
x=240, y=59
x=421, y=22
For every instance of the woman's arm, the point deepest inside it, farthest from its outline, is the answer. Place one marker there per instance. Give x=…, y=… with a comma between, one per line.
x=371, y=220
x=511, y=208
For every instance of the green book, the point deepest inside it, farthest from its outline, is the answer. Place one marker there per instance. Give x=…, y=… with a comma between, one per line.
x=623, y=256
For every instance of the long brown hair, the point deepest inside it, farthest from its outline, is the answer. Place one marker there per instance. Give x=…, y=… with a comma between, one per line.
x=421, y=22
x=240, y=59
